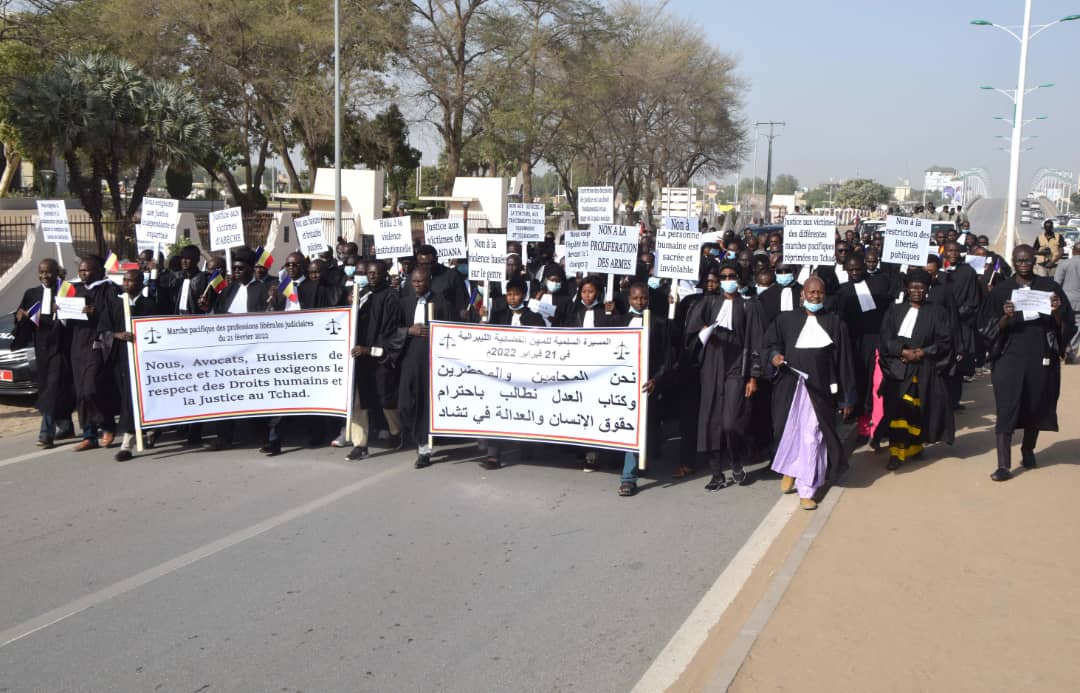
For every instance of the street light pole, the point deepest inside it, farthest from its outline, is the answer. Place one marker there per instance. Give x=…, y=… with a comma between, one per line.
x=768, y=170
x=337, y=119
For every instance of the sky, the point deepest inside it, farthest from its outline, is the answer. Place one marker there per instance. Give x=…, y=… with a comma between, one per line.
x=886, y=90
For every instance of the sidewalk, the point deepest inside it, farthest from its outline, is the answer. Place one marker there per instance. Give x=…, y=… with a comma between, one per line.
x=933, y=578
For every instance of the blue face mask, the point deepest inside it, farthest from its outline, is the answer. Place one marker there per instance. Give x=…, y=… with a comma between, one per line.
x=349, y=270
x=729, y=286
x=514, y=308
x=785, y=279
x=730, y=255
x=553, y=286
x=361, y=280
x=654, y=282
x=715, y=252
x=463, y=268
x=813, y=307
x=635, y=311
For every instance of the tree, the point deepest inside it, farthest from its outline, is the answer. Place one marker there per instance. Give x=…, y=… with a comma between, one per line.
x=785, y=184
x=1075, y=199
x=104, y=116
x=862, y=193
x=16, y=60
x=383, y=142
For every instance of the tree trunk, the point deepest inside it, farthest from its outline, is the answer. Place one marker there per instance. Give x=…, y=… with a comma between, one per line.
x=11, y=164
x=526, y=182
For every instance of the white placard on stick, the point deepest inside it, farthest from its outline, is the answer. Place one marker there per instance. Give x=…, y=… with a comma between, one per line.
x=524, y=222
x=226, y=228
x=393, y=238
x=53, y=220
x=596, y=205
x=487, y=257
x=907, y=240
x=309, y=235
x=613, y=249
x=159, y=218
x=446, y=236
x=576, y=247
x=678, y=249
x=809, y=240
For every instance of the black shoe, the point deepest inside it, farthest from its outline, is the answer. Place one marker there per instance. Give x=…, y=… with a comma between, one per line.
x=149, y=439
x=739, y=474
x=490, y=463
x=1001, y=474
x=271, y=449
x=422, y=461
x=357, y=453
x=716, y=483
x=893, y=464
x=219, y=444
x=394, y=443
x=122, y=456
x=1027, y=459
x=46, y=444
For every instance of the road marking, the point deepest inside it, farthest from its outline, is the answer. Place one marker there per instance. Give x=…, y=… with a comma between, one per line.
x=732, y=660
x=81, y=604
x=32, y=456
x=691, y=635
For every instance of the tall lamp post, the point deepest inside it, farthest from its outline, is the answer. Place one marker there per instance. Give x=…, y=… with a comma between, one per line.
x=1018, y=115
x=337, y=119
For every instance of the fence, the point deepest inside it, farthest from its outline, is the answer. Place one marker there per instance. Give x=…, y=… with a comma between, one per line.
x=13, y=232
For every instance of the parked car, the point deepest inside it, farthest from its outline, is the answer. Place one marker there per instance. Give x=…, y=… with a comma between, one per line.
x=18, y=369
x=1025, y=204
x=869, y=226
x=1070, y=234
x=1073, y=221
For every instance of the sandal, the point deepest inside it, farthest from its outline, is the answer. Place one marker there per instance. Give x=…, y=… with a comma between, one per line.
x=627, y=489
x=682, y=472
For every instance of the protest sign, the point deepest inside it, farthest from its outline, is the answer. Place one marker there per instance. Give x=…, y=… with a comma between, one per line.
x=907, y=240
x=613, y=249
x=309, y=235
x=226, y=228
x=53, y=220
x=487, y=257
x=212, y=367
x=141, y=242
x=596, y=205
x=809, y=240
x=581, y=387
x=524, y=222
x=447, y=236
x=576, y=244
x=678, y=249
x=393, y=238
x=1029, y=301
x=158, y=219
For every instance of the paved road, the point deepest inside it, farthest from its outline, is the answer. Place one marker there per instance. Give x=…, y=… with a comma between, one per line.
x=196, y=571
x=987, y=217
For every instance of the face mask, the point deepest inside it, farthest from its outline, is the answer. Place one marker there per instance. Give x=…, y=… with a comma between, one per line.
x=744, y=290
x=553, y=286
x=463, y=269
x=589, y=305
x=514, y=308
x=362, y=280
x=715, y=252
x=349, y=270
x=813, y=307
x=635, y=311
x=654, y=282
x=729, y=286
x=785, y=279
x=146, y=278
x=761, y=289
x=730, y=255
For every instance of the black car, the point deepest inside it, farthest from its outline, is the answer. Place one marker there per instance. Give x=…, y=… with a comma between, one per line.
x=18, y=369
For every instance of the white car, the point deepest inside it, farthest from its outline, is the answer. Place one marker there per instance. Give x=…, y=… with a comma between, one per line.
x=1075, y=221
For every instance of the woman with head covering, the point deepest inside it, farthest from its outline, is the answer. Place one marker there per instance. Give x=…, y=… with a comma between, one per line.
x=551, y=299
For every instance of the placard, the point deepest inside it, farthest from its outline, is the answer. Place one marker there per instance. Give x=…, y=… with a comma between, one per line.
x=158, y=219
x=393, y=238
x=596, y=205
x=53, y=220
x=226, y=228
x=678, y=249
x=907, y=240
x=446, y=236
x=613, y=249
x=1023, y=300
x=70, y=308
x=580, y=386
x=809, y=240
x=212, y=367
x=487, y=257
x=141, y=242
x=309, y=235
x=576, y=246
x=524, y=222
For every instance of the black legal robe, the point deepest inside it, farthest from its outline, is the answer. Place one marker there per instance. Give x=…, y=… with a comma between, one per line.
x=52, y=351
x=968, y=293
x=170, y=291
x=863, y=328
x=932, y=334
x=415, y=367
x=378, y=324
x=448, y=284
x=111, y=310
x=830, y=376
x=321, y=294
x=575, y=314
x=500, y=314
x=1025, y=358
x=96, y=398
x=771, y=300
x=258, y=298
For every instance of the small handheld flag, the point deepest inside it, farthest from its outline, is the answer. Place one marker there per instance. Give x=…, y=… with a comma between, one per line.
x=288, y=289
x=112, y=263
x=65, y=290
x=264, y=258
x=217, y=282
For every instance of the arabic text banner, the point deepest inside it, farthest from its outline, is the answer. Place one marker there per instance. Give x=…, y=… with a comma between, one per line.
x=581, y=387
x=211, y=367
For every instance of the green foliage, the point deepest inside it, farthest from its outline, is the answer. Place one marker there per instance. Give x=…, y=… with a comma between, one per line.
x=785, y=184
x=383, y=142
x=178, y=181
x=862, y=193
x=1075, y=200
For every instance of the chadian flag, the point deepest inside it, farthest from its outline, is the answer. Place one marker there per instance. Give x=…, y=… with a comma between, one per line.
x=66, y=289
x=35, y=313
x=264, y=258
x=112, y=262
x=217, y=281
x=288, y=289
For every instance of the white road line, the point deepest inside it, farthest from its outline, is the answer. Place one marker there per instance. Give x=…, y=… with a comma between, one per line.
x=33, y=455
x=680, y=650
x=49, y=618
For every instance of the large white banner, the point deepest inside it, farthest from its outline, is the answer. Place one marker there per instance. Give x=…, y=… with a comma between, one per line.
x=226, y=228
x=524, y=222
x=596, y=205
x=678, y=249
x=159, y=218
x=393, y=238
x=907, y=240
x=576, y=249
x=809, y=240
x=487, y=257
x=446, y=236
x=581, y=387
x=53, y=220
x=613, y=249
x=209, y=367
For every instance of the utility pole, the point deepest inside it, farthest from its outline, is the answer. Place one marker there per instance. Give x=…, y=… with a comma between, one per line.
x=768, y=169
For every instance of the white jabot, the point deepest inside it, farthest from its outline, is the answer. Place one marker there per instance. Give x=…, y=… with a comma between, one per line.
x=46, y=300
x=515, y=319
x=804, y=274
x=420, y=312
x=841, y=274
x=813, y=335
x=907, y=325
x=635, y=321
x=866, y=300
x=787, y=299
x=590, y=319
x=724, y=318
x=239, y=302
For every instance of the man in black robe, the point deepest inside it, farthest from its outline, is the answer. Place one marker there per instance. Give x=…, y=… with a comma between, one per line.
x=967, y=293
x=730, y=331
x=379, y=341
x=685, y=385
x=36, y=323
x=95, y=396
x=445, y=283
x=1025, y=355
x=815, y=345
x=179, y=292
x=782, y=296
x=835, y=275
x=415, y=367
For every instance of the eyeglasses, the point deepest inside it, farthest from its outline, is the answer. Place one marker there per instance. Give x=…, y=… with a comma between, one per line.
x=292, y=264
x=729, y=276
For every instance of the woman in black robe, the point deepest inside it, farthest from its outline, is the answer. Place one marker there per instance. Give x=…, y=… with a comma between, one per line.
x=1025, y=357
x=730, y=330
x=916, y=352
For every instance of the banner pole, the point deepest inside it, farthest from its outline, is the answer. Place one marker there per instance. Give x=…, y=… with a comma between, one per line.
x=59, y=256
x=136, y=408
x=430, y=317
x=610, y=288
x=487, y=300
x=646, y=318
x=674, y=294
x=228, y=259
x=350, y=372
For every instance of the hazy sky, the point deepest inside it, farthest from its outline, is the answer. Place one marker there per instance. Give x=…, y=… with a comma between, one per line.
x=885, y=90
